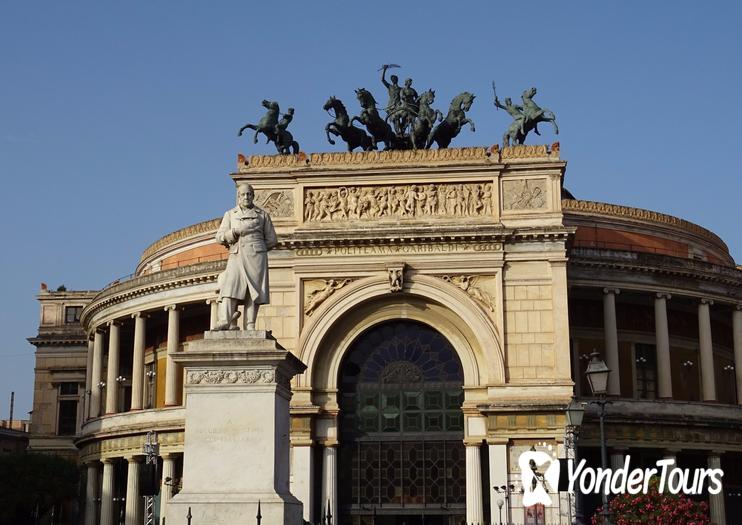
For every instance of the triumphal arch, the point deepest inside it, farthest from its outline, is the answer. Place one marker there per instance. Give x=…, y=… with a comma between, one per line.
x=426, y=292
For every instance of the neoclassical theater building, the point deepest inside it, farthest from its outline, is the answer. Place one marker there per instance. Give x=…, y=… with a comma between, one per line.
x=444, y=303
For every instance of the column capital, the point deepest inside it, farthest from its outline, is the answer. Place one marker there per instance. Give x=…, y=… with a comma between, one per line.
x=212, y=300
x=717, y=453
x=674, y=451
x=328, y=442
x=107, y=461
x=134, y=458
x=173, y=307
x=706, y=300
x=738, y=307
x=114, y=322
x=473, y=441
x=137, y=315
x=663, y=295
x=614, y=291
x=99, y=330
x=169, y=455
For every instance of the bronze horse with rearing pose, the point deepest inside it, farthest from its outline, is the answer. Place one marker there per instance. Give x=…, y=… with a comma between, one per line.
x=343, y=127
x=446, y=130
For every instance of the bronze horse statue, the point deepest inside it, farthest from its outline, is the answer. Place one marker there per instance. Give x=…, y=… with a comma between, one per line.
x=377, y=127
x=425, y=119
x=446, y=130
x=343, y=127
x=266, y=125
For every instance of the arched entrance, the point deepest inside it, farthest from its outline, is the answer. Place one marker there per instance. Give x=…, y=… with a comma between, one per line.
x=401, y=450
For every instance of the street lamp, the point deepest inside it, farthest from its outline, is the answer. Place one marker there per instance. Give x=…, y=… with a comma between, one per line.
x=575, y=413
x=597, y=375
x=500, y=502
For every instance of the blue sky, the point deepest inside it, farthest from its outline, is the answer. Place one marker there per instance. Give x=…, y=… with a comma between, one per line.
x=118, y=122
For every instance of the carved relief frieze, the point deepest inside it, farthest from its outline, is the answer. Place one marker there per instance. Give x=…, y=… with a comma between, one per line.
x=279, y=203
x=479, y=287
x=232, y=377
x=318, y=291
x=525, y=194
x=406, y=201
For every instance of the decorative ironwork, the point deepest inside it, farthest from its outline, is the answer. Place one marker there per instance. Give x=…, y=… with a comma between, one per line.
x=401, y=424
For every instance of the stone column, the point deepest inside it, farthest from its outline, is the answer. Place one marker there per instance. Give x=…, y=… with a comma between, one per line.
x=474, y=513
x=498, y=467
x=106, y=496
x=213, y=312
x=95, y=376
x=611, y=340
x=717, y=511
x=662, y=342
x=137, y=367
x=671, y=453
x=166, y=489
x=173, y=369
x=302, y=474
x=91, y=489
x=708, y=378
x=133, y=498
x=112, y=386
x=330, y=481
x=576, y=367
x=89, y=378
x=737, y=330
x=618, y=456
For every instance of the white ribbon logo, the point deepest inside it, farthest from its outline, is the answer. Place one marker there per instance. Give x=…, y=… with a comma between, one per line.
x=534, y=481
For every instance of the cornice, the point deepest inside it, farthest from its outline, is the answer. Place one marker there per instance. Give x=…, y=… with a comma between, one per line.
x=396, y=158
x=636, y=262
x=592, y=208
x=208, y=226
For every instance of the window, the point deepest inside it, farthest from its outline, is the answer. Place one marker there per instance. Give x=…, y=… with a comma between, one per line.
x=646, y=371
x=67, y=421
x=67, y=409
x=72, y=314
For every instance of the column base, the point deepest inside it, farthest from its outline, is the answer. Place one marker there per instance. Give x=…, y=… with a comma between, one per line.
x=228, y=509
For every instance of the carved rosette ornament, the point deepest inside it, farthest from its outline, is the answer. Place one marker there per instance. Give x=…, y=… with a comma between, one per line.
x=233, y=377
x=407, y=201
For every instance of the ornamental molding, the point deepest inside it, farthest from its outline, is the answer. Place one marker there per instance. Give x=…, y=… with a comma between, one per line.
x=524, y=194
x=614, y=210
x=400, y=201
x=249, y=376
x=643, y=263
x=204, y=227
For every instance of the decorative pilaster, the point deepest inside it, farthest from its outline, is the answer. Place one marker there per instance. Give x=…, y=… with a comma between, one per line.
x=662, y=345
x=474, y=513
x=173, y=369
x=112, y=386
x=166, y=487
x=137, y=366
x=737, y=332
x=708, y=379
x=330, y=480
x=91, y=489
x=302, y=474
x=106, y=496
x=611, y=340
x=717, y=510
x=133, y=499
x=95, y=377
x=498, y=468
x=213, y=312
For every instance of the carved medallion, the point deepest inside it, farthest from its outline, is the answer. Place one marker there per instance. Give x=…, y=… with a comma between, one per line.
x=278, y=203
x=524, y=194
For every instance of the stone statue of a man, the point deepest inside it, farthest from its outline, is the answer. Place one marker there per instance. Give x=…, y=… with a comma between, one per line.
x=248, y=233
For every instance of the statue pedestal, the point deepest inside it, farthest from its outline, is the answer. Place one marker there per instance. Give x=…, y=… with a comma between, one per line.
x=236, y=430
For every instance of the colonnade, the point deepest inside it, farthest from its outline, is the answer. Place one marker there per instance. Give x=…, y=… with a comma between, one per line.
x=662, y=345
x=100, y=490
x=94, y=382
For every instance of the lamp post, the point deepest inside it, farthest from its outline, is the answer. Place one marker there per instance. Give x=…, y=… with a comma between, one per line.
x=597, y=376
x=575, y=413
x=500, y=502
x=506, y=491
